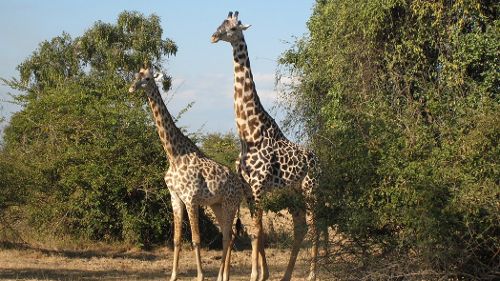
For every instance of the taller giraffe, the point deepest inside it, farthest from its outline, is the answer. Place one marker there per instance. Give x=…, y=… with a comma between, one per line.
x=268, y=160
x=193, y=180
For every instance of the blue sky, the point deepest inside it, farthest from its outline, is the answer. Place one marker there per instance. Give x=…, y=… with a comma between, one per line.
x=202, y=71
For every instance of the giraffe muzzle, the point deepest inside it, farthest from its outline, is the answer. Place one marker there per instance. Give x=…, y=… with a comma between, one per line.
x=214, y=39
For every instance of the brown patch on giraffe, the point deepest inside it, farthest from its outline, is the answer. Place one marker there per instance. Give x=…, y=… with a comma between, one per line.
x=246, y=99
x=238, y=92
x=248, y=86
x=240, y=112
x=240, y=80
x=242, y=128
x=238, y=68
x=250, y=105
x=252, y=124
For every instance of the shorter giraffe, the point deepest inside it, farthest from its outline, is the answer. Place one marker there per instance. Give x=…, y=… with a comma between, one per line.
x=193, y=180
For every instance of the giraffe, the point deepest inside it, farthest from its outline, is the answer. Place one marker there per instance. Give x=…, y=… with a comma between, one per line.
x=268, y=160
x=193, y=180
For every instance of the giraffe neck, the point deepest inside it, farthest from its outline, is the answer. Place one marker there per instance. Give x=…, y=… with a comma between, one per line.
x=174, y=142
x=251, y=117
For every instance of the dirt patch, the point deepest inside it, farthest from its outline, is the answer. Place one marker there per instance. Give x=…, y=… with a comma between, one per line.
x=27, y=263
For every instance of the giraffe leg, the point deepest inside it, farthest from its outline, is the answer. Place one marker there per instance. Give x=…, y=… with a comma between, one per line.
x=264, y=268
x=309, y=185
x=299, y=232
x=227, y=239
x=217, y=208
x=225, y=218
x=315, y=240
x=227, y=266
x=178, y=210
x=256, y=234
x=195, y=234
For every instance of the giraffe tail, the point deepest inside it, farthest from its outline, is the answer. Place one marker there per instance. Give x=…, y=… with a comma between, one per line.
x=239, y=225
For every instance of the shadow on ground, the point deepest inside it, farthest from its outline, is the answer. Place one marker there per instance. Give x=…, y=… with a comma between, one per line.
x=85, y=254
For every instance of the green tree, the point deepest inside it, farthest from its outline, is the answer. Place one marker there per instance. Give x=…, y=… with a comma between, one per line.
x=89, y=147
x=400, y=100
x=223, y=148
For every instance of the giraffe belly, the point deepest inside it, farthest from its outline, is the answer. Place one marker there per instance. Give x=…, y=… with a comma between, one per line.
x=203, y=181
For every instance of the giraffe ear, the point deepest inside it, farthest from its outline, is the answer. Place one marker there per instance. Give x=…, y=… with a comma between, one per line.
x=244, y=26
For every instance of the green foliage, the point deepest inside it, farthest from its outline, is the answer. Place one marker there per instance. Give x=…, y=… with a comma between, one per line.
x=85, y=151
x=400, y=100
x=223, y=148
x=13, y=180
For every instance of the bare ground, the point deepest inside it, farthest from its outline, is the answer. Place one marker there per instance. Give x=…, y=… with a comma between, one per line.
x=21, y=262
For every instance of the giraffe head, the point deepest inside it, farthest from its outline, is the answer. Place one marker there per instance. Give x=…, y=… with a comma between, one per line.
x=231, y=29
x=144, y=78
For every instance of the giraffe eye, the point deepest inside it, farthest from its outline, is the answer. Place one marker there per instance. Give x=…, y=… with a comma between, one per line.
x=147, y=78
x=233, y=28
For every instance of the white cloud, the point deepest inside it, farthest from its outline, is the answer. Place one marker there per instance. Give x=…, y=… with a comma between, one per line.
x=212, y=94
x=267, y=78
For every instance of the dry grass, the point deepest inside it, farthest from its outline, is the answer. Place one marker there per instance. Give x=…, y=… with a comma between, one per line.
x=21, y=262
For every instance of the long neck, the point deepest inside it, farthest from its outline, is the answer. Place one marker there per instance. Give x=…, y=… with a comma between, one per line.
x=251, y=117
x=174, y=142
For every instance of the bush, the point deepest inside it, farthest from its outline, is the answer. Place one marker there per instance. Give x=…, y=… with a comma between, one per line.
x=399, y=99
x=88, y=147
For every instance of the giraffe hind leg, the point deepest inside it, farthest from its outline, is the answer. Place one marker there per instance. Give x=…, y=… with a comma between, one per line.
x=195, y=233
x=309, y=185
x=225, y=220
x=299, y=232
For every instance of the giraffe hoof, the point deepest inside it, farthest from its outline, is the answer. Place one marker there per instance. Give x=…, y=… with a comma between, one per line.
x=286, y=278
x=254, y=277
x=264, y=276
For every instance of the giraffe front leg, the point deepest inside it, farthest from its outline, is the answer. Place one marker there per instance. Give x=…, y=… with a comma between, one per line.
x=256, y=234
x=299, y=232
x=195, y=234
x=178, y=210
x=264, y=268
